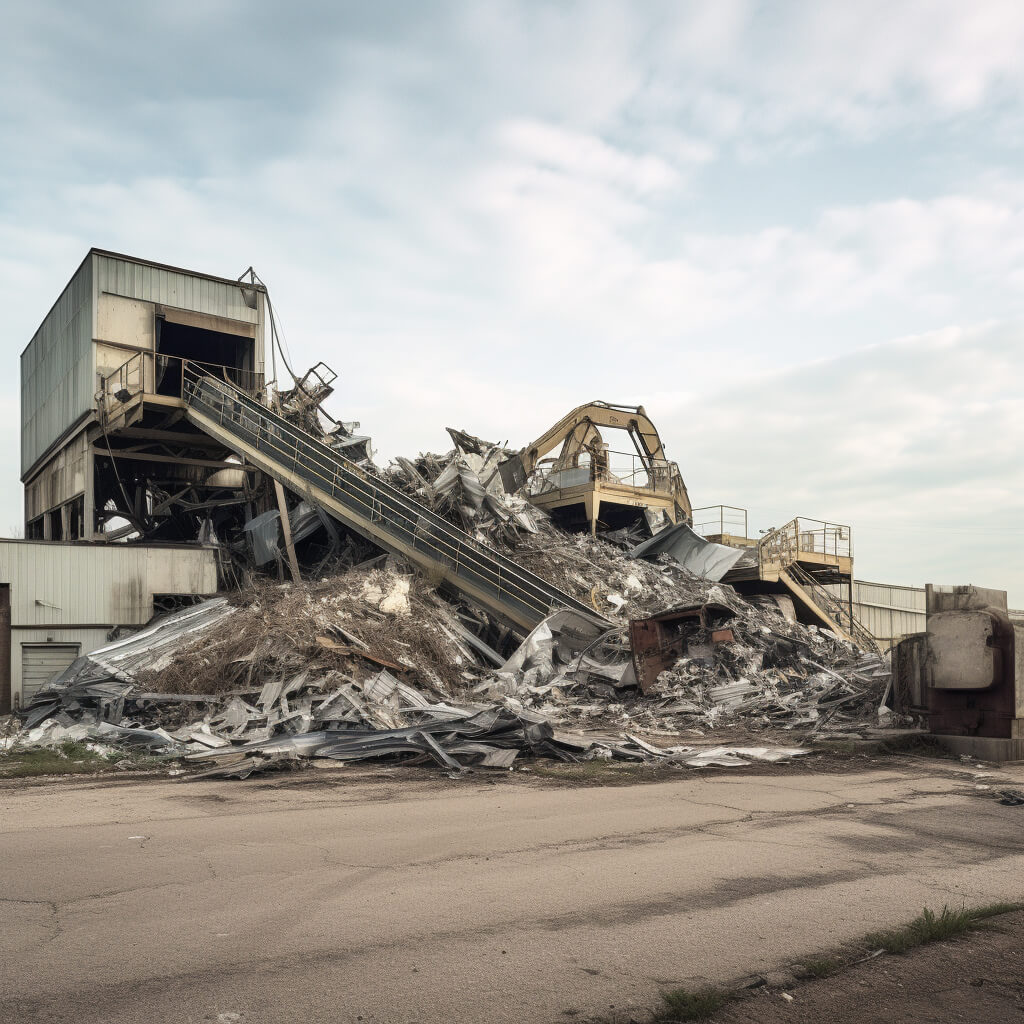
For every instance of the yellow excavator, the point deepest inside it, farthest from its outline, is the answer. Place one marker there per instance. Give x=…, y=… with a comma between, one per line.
x=588, y=483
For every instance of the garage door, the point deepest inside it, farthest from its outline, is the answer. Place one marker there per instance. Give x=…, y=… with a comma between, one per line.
x=40, y=663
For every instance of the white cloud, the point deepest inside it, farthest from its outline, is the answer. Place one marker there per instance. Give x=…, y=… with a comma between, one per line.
x=915, y=442
x=584, y=157
x=483, y=214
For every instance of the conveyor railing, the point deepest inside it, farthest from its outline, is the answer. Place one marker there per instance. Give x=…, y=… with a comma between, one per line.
x=367, y=504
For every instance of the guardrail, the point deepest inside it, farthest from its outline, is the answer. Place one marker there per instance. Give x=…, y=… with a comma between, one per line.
x=128, y=380
x=841, y=612
x=608, y=469
x=158, y=374
x=800, y=536
x=718, y=520
x=376, y=508
x=170, y=376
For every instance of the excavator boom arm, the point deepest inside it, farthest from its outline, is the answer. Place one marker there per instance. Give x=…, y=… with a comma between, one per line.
x=580, y=428
x=623, y=417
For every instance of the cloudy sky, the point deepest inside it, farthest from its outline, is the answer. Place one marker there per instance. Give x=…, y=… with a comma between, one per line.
x=794, y=232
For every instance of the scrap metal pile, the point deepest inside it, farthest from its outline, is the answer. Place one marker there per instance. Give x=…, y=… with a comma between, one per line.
x=374, y=663
x=690, y=655
x=471, y=487
x=366, y=659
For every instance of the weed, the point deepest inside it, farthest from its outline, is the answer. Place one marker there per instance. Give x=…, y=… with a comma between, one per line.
x=68, y=758
x=682, y=1005
x=994, y=910
x=823, y=967
x=915, y=743
x=932, y=927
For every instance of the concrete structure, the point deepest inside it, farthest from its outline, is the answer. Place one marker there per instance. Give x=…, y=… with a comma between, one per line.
x=124, y=324
x=964, y=672
x=60, y=600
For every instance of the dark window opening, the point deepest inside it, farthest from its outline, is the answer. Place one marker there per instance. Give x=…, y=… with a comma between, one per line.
x=167, y=604
x=176, y=342
x=56, y=522
x=34, y=529
x=76, y=518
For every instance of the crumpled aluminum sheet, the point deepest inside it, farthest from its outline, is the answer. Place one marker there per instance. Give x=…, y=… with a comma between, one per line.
x=701, y=557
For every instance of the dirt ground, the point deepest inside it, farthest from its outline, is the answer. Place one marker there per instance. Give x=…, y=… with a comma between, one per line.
x=974, y=979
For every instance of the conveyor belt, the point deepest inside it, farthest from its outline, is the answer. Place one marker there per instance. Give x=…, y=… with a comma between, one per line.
x=368, y=505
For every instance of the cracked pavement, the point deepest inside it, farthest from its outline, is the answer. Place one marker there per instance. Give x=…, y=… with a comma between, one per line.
x=405, y=900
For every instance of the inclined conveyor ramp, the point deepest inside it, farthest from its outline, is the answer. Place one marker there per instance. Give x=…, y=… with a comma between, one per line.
x=368, y=505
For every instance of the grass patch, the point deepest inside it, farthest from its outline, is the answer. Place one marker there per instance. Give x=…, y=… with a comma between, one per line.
x=915, y=743
x=921, y=743
x=932, y=927
x=597, y=772
x=822, y=967
x=69, y=758
x=681, y=1005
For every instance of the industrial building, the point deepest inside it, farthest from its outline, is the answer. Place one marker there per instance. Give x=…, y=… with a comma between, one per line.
x=62, y=599
x=121, y=326
x=889, y=612
x=125, y=326
x=146, y=416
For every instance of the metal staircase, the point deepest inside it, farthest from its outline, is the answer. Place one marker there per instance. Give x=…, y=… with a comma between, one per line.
x=805, y=554
x=840, y=613
x=366, y=504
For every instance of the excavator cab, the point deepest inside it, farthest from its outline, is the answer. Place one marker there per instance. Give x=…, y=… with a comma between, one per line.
x=588, y=483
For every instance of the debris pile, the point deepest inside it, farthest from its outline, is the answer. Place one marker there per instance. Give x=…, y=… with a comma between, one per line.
x=601, y=574
x=698, y=668
x=373, y=662
x=468, y=488
x=367, y=618
x=365, y=658
x=302, y=405
x=288, y=721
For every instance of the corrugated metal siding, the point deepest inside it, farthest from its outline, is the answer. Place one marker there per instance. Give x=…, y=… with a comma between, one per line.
x=184, y=291
x=56, y=369
x=65, y=475
x=887, y=610
x=85, y=584
x=181, y=290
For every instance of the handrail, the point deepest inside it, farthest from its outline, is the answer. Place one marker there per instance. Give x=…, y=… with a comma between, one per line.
x=249, y=381
x=785, y=545
x=385, y=511
x=131, y=375
x=621, y=469
x=840, y=613
x=723, y=516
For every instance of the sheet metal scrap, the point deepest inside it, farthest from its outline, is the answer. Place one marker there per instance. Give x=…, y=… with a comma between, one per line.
x=373, y=663
x=490, y=737
x=468, y=488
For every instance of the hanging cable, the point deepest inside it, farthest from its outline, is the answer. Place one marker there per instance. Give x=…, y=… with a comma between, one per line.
x=130, y=516
x=275, y=339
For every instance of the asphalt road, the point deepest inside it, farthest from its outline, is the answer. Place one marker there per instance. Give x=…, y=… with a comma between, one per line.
x=326, y=897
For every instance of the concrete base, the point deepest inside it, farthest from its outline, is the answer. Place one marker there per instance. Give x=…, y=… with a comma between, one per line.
x=984, y=748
